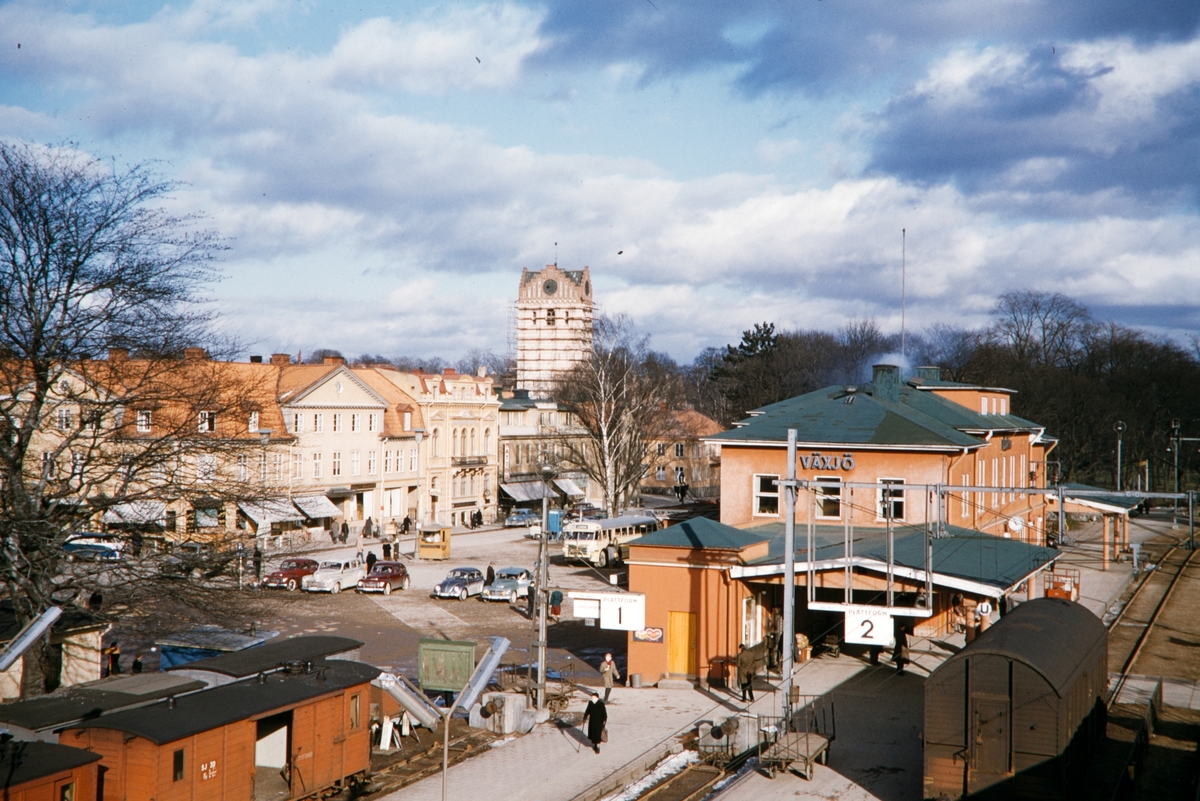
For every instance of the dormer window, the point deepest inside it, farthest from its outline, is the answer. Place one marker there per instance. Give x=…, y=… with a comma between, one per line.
x=252, y=425
x=143, y=421
x=206, y=422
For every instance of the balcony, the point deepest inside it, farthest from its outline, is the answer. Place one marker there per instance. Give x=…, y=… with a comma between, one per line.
x=469, y=461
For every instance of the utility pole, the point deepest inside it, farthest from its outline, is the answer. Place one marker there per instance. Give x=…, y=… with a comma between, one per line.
x=1175, y=453
x=1119, y=427
x=789, y=579
x=543, y=592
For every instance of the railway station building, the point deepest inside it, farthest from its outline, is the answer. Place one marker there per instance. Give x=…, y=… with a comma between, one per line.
x=711, y=586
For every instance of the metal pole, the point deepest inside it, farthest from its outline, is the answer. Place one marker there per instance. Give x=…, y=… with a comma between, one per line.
x=789, y=577
x=1191, y=522
x=1119, y=427
x=446, y=747
x=1175, y=501
x=891, y=561
x=543, y=591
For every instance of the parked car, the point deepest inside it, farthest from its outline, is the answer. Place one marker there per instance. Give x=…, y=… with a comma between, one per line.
x=460, y=583
x=290, y=573
x=203, y=559
x=332, y=577
x=93, y=548
x=385, y=577
x=521, y=517
x=509, y=584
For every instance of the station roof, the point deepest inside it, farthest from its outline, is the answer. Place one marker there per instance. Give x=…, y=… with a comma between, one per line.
x=162, y=723
x=966, y=559
x=271, y=655
x=1051, y=635
x=22, y=762
x=1099, y=498
x=83, y=701
x=701, y=532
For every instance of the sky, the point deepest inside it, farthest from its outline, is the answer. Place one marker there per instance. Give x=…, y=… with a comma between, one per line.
x=382, y=172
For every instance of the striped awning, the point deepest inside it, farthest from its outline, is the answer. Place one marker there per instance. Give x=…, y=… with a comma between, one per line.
x=316, y=506
x=524, y=490
x=271, y=510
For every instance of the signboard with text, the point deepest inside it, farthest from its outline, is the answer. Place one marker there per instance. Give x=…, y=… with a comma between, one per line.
x=869, y=626
x=619, y=611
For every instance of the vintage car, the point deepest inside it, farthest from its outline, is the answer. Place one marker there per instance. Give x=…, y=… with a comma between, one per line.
x=521, y=517
x=290, y=574
x=86, y=547
x=333, y=577
x=460, y=583
x=385, y=577
x=510, y=584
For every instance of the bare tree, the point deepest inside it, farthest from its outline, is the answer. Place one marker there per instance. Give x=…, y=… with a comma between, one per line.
x=1040, y=328
x=89, y=264
x=617, y=394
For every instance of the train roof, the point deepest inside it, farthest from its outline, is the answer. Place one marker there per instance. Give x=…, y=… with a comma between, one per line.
x=91, y=700
x=22, y=762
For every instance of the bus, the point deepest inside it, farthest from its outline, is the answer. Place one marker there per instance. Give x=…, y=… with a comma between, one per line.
x=604, y=542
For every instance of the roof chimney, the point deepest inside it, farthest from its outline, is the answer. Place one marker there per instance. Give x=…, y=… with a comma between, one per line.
x=929, y=373
x=482, y=371
x=887, y=382
x=256, y=359
x=281, y=359
x=194, y=354
x=333, y=360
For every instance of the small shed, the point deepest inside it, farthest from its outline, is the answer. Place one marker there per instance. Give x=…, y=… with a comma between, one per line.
x=433, y=541
x=46, y=772
x=1017, y=712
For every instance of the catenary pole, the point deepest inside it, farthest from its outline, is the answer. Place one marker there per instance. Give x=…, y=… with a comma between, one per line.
x=789, y=576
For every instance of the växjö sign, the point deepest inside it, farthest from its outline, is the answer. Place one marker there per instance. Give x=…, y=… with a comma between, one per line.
x=818, y=461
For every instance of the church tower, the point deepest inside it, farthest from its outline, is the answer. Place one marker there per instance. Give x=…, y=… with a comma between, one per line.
x=554, y=326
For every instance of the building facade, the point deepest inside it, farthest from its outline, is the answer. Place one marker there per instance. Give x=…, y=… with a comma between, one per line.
x=554, y=326
x=681, y=458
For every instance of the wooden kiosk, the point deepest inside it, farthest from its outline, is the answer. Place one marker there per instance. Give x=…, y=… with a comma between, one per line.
x=433, y=541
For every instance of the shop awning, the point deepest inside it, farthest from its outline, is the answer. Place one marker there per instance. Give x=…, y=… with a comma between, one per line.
x=271, y=510
x=568, y=486
x=136, y=513
x=524, y=490
x=316, y=506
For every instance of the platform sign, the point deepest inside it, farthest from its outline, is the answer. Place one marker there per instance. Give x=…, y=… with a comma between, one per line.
x=619, y=611
x=867, y=625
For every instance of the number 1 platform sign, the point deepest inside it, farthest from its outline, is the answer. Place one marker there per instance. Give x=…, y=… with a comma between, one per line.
x=866, y=625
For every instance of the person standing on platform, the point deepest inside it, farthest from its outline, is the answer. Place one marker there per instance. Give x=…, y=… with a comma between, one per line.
x=900, y=649
x=137, y=664
x=745, y=672
x=608, y=670
x=596, y=716
x=556, y=599
x=368, y=529
x=345, y=532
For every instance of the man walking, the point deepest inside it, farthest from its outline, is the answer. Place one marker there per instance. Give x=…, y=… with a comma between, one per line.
x=608, y=670
x=745, y=672
x=595, y=715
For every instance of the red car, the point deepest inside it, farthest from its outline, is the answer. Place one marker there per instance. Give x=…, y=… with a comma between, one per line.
x=290, y=574
x=385, y=577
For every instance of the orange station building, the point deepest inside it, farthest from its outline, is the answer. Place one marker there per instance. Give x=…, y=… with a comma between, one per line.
x=711, y=586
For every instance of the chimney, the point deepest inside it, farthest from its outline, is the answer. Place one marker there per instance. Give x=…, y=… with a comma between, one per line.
x=118, y=354
x=194, y=354
x=929, y=373
x=333, y=360
x=256, y=359
x=887, y=382
x=448, y=371
x=281, y=359
x=482, y=371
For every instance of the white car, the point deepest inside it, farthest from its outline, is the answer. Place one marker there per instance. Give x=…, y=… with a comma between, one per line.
x=333, y=577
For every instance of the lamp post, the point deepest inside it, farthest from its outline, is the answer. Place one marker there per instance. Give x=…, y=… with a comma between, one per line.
x=419, y=434
x=1119, y=427
x=543, y=592
x=1175, y=453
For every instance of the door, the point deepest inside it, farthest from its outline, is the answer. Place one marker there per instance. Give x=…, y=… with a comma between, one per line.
x=681, y=644
x=989, y=742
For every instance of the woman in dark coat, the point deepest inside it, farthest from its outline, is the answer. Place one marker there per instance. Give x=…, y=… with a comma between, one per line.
x=596, y=716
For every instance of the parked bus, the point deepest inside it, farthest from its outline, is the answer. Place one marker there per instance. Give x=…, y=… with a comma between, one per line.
x=604, y=542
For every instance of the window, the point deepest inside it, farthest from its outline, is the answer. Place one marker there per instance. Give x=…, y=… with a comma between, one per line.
x=1004, y=406
x=63, y=419
x=993, y=405
x=297, y=465
x=336, y=470
x=77, y=463
x=262, y=467
x=766, y=495
x=178, y=765
x=243, y=468
x=49, y=468
x=206, y=422
x=412, y=459
x=355, y=470
x=206, y=467
x=371, y=465
x=678, y=475
x=995, y=477
x=473, y=450
x=66, y=792
x=316, y=465
x=437, y=446
x=408, y=421
x=661, y=473
x=92, y=419
x=678, y=450
x=143, y=421
x=891, y=501
x=253, y=425
x=388, y=461
x=662, y=449
x=318, y=423
x=297, y=423
x=983, y=405
x=355, y=711
x=965, y=508
x=372, y=422
x=279, y=467
x=829, y=499
x=487, y=441
x=355, y=422
x=549, y=316
x=208, y=517
x=752, y=620
x=337, y=423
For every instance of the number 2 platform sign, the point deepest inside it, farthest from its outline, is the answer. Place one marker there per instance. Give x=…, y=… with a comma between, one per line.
x=869, y=626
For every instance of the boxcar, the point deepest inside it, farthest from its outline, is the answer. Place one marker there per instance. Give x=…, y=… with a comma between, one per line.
x=35, y=771
x=1017, y=712
x=293, y=733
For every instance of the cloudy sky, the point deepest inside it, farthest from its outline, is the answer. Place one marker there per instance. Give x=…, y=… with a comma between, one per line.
x=385, y=170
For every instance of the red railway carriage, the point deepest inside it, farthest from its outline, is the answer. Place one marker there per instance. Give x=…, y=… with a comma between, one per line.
x=292, y=733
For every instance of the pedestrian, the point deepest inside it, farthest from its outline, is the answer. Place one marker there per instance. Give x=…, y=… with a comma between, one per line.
x=371, y=560
x=596, y=716
x=368, y=528
x=556, y=599
x=333, y=535
x=387, y=551
x=745, y=672
x=405, y=525
x=958, y=613
x=114, y=658
x=900, y=648
x=258, y=556
x=491, y=573
x=529, y=599
x=137, y=663
x=608, y=670
x=137, y=543
x=345, y=532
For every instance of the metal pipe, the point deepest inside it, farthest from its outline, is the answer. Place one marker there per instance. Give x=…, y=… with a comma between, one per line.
x=28, y=636
x=789, y=575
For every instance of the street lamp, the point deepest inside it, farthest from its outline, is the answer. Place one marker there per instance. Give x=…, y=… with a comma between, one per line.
x=419, y=434
x=543, y=578
x=1175, y=425
x=1119, y=427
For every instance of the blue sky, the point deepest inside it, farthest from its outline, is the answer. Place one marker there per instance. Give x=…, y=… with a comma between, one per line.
x=384, y=171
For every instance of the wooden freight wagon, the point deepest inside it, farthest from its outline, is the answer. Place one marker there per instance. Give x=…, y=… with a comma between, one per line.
x=292, y=733
x=36, y=771
x=1017, y=712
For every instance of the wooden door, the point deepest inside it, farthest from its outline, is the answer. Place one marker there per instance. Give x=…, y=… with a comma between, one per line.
x=990, y=756
x=303, y=763
x=681, y=644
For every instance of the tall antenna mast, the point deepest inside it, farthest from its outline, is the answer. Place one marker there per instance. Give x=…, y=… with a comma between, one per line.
x=903, y=277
